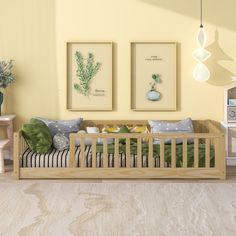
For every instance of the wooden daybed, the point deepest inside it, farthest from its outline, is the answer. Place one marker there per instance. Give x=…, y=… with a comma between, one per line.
x=207, y=133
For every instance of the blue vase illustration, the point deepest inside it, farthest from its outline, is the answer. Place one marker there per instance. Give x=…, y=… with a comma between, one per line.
x=153, y=94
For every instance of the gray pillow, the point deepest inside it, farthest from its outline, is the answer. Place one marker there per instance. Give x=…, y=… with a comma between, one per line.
x=62, y=126
x=183, y=126
x=60, y=142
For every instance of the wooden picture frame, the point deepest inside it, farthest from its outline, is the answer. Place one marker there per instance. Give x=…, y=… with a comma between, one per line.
x=89, y=76
x=153, y=76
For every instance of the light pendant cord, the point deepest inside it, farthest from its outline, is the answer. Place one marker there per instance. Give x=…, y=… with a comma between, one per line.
x=201, y=15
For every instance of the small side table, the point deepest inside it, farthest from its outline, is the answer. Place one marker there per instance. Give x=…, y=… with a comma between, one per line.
x=7, y=120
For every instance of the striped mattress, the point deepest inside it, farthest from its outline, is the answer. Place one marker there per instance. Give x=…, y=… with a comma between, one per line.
x=60, y=159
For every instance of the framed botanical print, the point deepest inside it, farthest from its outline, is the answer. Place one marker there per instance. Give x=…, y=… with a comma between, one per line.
x=89, y=76
x=153, y=76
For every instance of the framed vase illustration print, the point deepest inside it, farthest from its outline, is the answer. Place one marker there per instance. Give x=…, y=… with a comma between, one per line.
x=89, y=76
x=153, y=76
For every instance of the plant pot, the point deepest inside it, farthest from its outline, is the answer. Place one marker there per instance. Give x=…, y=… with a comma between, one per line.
x=153, y=95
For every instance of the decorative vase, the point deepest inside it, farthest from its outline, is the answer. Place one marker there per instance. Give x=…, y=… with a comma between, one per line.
x=153, y=95
x=1, y=101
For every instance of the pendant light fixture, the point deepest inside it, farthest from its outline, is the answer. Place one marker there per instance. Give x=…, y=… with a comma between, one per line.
x=201, y=73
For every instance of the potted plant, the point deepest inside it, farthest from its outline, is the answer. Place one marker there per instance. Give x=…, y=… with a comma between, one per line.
x=6, y=77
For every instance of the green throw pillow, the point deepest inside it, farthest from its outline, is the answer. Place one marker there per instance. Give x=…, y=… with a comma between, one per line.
x=37, y=135
x=123, y=129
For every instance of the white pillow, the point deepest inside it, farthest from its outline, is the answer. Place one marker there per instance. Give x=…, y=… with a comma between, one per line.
x=88, y=141
x=92, y=130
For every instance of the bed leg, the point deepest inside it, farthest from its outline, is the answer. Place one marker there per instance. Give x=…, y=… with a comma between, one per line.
x=223, y=156
x=16, y=163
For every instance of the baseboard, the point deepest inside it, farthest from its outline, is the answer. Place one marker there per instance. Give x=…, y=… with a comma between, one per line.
x=231, y=161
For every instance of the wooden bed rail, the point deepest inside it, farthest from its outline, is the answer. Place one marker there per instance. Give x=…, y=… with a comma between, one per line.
x=19, y=145
x=209, y=138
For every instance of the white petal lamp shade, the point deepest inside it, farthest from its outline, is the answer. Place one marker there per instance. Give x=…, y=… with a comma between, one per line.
x=201, y=54
x=201, y=37
x=201, y=73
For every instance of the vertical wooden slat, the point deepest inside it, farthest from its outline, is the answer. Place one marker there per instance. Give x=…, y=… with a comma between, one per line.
x=72, y=151
x=212, y=145
x=116, y=153
x=184, y=152
x=196, y=153
x=207, y=153
x=105, y=155
x=217, y=153
x=151, y=159
x=94, y=156
x=139, y=153
x=222, y=157
x=173, y=153
x=162, y=153
x=81, y=156
x=127, y=147
x=16, y=154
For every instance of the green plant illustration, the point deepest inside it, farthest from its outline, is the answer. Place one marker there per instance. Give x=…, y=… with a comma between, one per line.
x=86, y=70
x=157, y=80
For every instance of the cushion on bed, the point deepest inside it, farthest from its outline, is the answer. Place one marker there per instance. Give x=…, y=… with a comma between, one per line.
x=59, y=159
x=62, y=126
x=88, y=141
x=167, y=152
x=118, y=129
x=37, y=136
x=122, y=129
x=109, y=129
x=183, y=126
x=92, y=130
x=140, y=129
x=60, y=142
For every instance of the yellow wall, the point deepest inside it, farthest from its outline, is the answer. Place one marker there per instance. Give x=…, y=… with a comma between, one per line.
x=28, y=36
x=34, y=32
